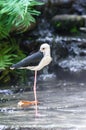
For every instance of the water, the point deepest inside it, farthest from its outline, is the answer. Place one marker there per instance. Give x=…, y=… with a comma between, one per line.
x=62, y=107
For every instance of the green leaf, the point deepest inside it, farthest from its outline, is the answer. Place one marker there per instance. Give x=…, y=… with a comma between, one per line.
x=18, y=14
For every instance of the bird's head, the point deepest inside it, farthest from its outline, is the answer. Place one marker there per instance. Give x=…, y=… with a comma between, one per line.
x=45, y=48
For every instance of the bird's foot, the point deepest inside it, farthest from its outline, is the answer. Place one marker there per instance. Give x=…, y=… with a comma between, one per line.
x=24, y=103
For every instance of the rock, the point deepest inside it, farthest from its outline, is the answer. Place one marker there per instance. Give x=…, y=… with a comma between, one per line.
x=79, y=6
x=67, y=23
x=83, y=29
x=69, y=58
x=74, y=64
x=57, y=2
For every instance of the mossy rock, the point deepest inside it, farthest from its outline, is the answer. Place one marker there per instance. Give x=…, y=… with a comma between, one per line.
x=67, y=23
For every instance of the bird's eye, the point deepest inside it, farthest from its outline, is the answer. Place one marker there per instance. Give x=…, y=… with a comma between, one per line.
x=43, y=48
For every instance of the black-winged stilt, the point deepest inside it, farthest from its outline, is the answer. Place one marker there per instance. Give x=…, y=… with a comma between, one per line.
x=35, y=62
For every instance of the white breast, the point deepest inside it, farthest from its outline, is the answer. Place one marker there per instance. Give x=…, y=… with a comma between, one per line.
x=44, y=62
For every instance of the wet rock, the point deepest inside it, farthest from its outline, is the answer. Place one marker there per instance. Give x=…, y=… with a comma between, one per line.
x=47, y=77
x=60, y=50
x=57, y=2
x=6, y=91
x=29, y=45
x=83, y=29
x=69, y=58
x=79, y=7
x=75, y=64
x=64, y=47
x=67, y=23
x=68, y=6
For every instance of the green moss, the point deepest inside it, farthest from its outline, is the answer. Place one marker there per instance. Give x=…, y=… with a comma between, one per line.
x=58, y=24
x=74, y=30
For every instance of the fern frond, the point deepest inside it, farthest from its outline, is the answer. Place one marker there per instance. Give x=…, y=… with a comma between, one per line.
x=17, y=13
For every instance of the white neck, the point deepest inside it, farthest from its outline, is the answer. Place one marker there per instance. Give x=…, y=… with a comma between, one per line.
x=47, y=53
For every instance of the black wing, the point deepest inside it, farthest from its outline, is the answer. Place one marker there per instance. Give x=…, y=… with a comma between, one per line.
x=31, y=60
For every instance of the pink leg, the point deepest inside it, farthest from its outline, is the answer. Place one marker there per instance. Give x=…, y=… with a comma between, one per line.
x=35, y=91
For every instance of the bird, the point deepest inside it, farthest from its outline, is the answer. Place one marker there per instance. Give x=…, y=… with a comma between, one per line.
x=35, y=62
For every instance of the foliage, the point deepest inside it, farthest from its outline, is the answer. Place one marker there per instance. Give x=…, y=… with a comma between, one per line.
x=10, y=53
x=18, y=14
x=6, y=57
x=15, y=15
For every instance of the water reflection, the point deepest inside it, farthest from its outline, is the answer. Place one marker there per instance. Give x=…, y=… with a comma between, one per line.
x=62, y=106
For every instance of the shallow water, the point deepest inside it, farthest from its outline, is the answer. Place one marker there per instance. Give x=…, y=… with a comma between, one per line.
x=62, y=106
